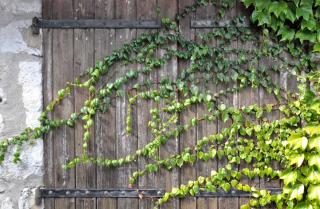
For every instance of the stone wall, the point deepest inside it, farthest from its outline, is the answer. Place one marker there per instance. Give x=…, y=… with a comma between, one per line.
x=20, y=99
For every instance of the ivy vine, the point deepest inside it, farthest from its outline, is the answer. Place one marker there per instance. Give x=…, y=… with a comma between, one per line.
x=292, y=141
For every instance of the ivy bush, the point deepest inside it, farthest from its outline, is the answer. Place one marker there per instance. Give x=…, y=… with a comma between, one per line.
x=292, y=141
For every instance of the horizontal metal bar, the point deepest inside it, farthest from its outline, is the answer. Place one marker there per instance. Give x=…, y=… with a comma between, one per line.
x=93, y=23
x=134, y=193
x=91, y=193
x=209, y=23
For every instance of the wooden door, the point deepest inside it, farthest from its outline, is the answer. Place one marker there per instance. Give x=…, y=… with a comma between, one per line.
x=69, y=52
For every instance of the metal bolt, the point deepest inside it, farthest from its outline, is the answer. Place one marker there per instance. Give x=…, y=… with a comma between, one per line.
x=233, y=192
x=159, y=192
x=67, y=192
x=50, y=192
x=87, y=192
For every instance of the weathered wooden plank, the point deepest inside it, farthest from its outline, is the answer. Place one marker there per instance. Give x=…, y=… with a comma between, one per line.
x=189, y=138
x=206, y=128
x=48, y=145
x=126, y=143
x=167, y=180
x=105, y=127
x=267, y=98
x=248, y=96
x=231, y=100
x=145, y=10
x=83, y=59
x=64, y=136
x=62, y=73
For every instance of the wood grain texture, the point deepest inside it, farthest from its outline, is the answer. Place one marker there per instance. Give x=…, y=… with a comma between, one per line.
x=206, y=128
x=62, y=60
x=248, y=96
x=83, y=59
x=105, y=126
x=48, y=145
x=189, y=138
x=145, y=11
x=126, y=143
x=64, y=136
x=231, y=100
x=167, y=180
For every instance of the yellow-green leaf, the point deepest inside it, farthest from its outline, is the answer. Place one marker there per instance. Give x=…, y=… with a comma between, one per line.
x=314, y=192
x=314, y=143
x=314, y=160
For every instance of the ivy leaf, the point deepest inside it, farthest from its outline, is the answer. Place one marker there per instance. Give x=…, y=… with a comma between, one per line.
x=225, y=116
x=296, y=141
x=289, y=177
x=297, y=192
x=247, y=3
x=303, y=205
x=314, y=193
x=226, y=187
x=312, y=130
x=278, y=7
x=286, y=33
x=296, y=159
x=309, y=24
x=306, y=36
x=261, y=17
x=314, y=160
x=314, y=143
x=314, y=177
x=290, y=15
x=304, y=11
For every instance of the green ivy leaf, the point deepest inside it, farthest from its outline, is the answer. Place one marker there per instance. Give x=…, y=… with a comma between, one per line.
x=312, y=130
x=286, y=33
x=226, y=187
x=278, y=7
x=304, y=11
x=310, y=24
x=314, y=193
x=313, y=176
x=225, y=116
x=306, y=35
x=297, y=141
x=303, y=205
x=289, y=177
x=297, y=192
x=296, y=159
x=314, y=160
x=261, y=16
x=314, y=143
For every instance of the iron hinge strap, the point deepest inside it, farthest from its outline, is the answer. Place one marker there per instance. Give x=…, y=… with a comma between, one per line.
x=38, y=23
x=134, y=193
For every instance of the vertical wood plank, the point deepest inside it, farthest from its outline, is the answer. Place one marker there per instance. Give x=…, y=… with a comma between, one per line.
x=267, y=98
x=64, y=136
x=83, y=59
x=231, y=100
x=48, y=145
x=145, y=11
x=105, y=127
x=125, y=9
x=63, y=72
x=168, y=180
x=189, y=138
x=247, y=96
x=206, y=128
